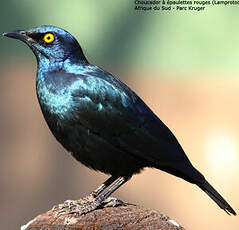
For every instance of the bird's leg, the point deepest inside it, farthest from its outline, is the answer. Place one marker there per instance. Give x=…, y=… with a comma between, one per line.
x=98, y=201
x=71, y=203
x=83, y=208
x=106, y=200
x=113, y=188
x=102, y=187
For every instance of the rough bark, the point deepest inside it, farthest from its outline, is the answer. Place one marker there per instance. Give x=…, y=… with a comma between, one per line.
x=111, y=218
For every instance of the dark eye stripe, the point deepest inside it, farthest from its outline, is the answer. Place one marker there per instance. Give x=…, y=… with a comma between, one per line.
x=39, y=38
x=36, y=36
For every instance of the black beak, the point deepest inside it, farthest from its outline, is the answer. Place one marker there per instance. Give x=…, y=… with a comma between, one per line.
x=18, y=34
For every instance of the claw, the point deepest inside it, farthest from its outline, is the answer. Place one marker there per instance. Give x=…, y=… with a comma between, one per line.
x=55, y=207
x=62, y=212
x=112, y=202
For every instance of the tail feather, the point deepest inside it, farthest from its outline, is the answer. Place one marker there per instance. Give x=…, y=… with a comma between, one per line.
x=207, y=188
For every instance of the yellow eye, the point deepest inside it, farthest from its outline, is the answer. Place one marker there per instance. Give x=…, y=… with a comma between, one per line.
x=48, y=38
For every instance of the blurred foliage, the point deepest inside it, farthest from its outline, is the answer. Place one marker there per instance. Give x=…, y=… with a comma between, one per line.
x=114, y=35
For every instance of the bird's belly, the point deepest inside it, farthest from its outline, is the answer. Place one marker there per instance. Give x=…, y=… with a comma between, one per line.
x=96, y=153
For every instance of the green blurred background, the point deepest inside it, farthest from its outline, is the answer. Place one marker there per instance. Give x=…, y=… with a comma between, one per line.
x=185, y=67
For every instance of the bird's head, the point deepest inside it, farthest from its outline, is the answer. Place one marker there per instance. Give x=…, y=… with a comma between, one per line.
x=49, y=42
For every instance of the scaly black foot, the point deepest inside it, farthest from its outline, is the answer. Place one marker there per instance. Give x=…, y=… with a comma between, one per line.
x=69, y=204
x=96, y=199
x=85, y=205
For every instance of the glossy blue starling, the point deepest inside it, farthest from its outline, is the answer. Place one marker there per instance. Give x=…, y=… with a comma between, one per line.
x=100, y=120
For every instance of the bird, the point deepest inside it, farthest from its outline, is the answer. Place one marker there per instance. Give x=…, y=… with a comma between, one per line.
x=100, y=121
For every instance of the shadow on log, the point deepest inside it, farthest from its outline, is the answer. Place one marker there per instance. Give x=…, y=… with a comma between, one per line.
x=111, y=218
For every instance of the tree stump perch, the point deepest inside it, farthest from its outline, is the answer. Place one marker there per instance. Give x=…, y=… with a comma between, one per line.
x=123, y=217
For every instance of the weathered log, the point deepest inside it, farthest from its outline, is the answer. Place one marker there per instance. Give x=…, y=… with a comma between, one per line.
x=110, y=218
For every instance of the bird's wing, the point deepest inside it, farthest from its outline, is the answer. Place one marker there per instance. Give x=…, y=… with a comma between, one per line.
x=107, y=107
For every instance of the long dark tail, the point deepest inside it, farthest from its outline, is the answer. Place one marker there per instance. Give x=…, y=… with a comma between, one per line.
x=207, y=188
